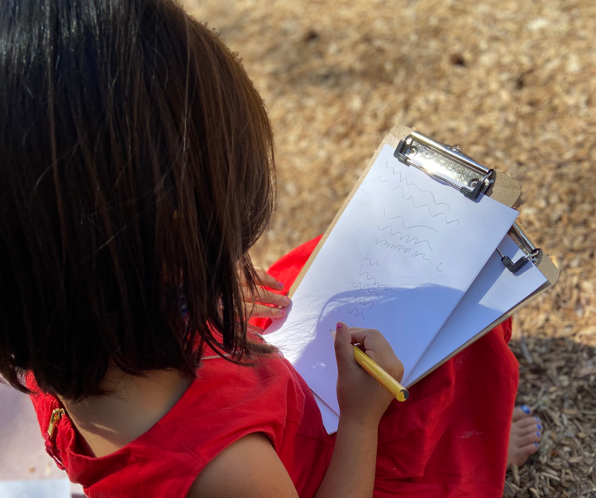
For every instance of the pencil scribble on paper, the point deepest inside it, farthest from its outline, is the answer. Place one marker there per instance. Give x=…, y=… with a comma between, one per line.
x=412, y=184
x=370, y=262
x=361, y=301
x=366, y=288
x=411, y=198
x=403, y=249
x=405, y=238
x=375, y=281
x=372, y=286
x=356, y=312
x=402, y=221
x=416, y=254
x=408, y=237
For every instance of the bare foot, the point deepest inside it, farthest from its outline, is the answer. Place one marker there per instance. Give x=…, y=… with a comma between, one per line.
x=526, y=431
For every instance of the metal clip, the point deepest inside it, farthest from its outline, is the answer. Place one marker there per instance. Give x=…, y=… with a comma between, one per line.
x=532, y=252
x=520, y=263
x=478, y=187
x=447, y=164
x=54, y=419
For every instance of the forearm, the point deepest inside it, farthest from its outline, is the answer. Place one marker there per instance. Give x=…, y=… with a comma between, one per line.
x=351, y=472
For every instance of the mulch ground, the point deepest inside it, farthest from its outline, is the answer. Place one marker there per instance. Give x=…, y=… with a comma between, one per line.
x=514, y=84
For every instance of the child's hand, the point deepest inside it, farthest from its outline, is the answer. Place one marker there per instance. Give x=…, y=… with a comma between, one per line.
x=360, y=396
x=265, y=304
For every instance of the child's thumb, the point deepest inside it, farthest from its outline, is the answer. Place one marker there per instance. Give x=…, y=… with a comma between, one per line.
x=344, y=351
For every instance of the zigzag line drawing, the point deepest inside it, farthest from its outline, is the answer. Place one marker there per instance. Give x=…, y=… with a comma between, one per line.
x=411, y=198
x=398, y=247
x=366, y=288
x=361, y=301
x=408, y=237
x=376, y=263
x=402, y=221
x=402, y=179
x=415, y=254
x=356, y=312
x=375, y=283
x=403, y=249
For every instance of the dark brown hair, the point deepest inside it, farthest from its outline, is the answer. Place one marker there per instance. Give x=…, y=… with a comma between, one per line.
x=117, y=116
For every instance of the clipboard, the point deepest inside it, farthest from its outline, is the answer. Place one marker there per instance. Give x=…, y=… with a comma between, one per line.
x=449, y=165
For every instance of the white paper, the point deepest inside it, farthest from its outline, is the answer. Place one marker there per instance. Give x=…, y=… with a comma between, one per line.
x=493, y=293
x=399, y=259
x=46, y=488
x=330, y=418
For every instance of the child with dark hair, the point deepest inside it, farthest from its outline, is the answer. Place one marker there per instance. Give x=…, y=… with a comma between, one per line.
x=137, y=171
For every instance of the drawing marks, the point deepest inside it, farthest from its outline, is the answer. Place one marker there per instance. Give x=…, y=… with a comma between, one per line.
x=399, y=259
x=366, y=291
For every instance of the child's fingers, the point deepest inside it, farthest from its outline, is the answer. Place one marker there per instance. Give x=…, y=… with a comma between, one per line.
x=344, y=352
x=379, y=350
x=261, y=311
x=266, y=297
x=267, y=280
x=369, y=338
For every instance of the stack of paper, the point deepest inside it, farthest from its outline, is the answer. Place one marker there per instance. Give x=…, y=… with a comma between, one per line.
x=412, y=258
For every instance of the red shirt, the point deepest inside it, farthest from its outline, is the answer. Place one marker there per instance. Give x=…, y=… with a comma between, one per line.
x=448, y=440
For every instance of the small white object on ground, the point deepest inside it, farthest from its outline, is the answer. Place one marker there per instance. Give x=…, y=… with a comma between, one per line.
x=44, y=488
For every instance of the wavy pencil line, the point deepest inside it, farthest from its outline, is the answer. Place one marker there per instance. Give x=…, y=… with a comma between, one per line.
x=406, y=236
x=411, y=198
x=415, y=254
x=370, y=261
x=378, y=286
x=397, y=247
x=403, y=179
x=376, y=282
x=366, y=274
x=356, y=312
x=403, y=249
x=366, y=288
x=361, y=301
x=402, y=221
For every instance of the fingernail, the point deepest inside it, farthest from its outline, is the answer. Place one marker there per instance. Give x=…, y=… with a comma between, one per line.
x=525, y=408
x=539, y=427
x=282, y=312
x=536, y=444
x=280, y=285
x=538, y=434
x=287, y=300
x=339, y=326
x=537, y=419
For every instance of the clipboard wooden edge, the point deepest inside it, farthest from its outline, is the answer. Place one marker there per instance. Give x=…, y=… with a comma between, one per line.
x=506, y=190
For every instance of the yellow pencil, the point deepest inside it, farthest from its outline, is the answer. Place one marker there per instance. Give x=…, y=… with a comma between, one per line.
x=382, y=377
x=377, y=373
